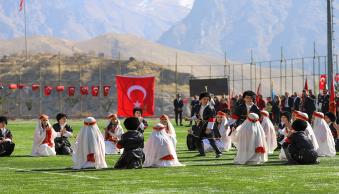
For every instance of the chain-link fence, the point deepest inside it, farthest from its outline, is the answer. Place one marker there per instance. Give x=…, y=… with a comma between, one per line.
x=89, y=70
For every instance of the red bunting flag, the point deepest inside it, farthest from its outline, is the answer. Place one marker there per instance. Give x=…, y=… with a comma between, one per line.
x=106, y=90
x=71, y=90
x=21, y=86
x=135, y=92
x=35, y=87
x=95, y=90
x=258, y=93
x=60, y=88
x=48, y=90
x=337, y=77
x=84, y=90
x=13, y=86
x=322, y=82
x=21, y=5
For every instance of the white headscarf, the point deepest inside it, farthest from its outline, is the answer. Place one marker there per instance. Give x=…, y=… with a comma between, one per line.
x=324, y=136
x=271, y=136
x=89, y=141
x=249, y=136
x=158, y=146
x=40, y=135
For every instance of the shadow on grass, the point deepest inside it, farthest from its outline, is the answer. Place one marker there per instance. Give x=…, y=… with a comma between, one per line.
x=20, y=156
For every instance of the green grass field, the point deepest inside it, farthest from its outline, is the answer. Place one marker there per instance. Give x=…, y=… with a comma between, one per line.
x=21, y=173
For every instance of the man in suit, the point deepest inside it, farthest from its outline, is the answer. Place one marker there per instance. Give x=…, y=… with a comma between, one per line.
x=204, y=115
x=324, y=99
x=178, y=106
x=296, y=101
x=288, y=103
x=308, y=105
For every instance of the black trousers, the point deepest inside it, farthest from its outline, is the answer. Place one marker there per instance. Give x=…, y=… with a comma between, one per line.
x=6, y=148
x=200, y=146
x=178, y=114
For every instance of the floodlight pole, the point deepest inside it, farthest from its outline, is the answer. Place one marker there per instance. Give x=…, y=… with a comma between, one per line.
x=329, y=43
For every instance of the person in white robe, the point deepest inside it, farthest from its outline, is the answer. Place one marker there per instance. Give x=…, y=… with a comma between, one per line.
x=309, y=131
x=271, y=136
x=284, y=131
x=44, y=136
x=112, y=134
x=89, y=148
x=250, y=141
x=159, y=150
x=324, y=136
x=164, y=119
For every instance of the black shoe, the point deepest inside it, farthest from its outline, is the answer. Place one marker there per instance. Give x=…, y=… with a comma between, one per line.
x=181, y=124
x=199, y=155
x=218, y=155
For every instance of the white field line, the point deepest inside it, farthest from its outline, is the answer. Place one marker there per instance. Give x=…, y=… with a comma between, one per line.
x=55, y=173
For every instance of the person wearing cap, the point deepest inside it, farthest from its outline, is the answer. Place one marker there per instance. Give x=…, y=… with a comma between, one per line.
x=178, y=104
x=330, y=119
x=6, y=139
x=308, y=131
x=164, y=119
x=271, y=137
x=62, y=144
x=204, y=116
x=89, y=148
x=137, y=112
x=159, y=149
x=324, y=136
x=298, y=146
x=249, y=138
x=133, y=143
x=44, y=136
x=243, y=109
x=112, y=134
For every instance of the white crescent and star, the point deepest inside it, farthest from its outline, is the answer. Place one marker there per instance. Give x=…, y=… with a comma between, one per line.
x=136, y=87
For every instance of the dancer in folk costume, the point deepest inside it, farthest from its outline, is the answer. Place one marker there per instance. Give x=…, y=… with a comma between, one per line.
x=6, y=139
x=271, y=136
x=220, y=133
x=89, y=148
x=308, y=131
x=250, y=141
x=133, y=143
x=62, y=144
x=330, y=119
x=324, y=136
x=44, y=136
x=159, y=149
x=283, y=132
x=298, y=146
x=164, y=119
x=137, y=112
x=112, y=134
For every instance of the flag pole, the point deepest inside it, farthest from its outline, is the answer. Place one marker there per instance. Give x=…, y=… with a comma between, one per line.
x=26, y=50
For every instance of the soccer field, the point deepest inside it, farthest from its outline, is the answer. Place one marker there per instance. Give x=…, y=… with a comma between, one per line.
x=21, y=173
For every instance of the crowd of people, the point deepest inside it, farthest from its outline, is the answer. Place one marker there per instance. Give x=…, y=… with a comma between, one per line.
x=250, y=125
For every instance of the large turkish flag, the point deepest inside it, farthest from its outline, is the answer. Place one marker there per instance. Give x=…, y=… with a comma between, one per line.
x=322, y=82
x=135, y=92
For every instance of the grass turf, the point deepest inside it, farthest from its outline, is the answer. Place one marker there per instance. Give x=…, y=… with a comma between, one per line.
x=21, y=173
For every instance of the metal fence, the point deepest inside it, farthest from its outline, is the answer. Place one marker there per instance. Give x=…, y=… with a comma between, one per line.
x=85, y=70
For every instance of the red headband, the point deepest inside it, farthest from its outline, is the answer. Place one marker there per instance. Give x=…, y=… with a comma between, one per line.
x=43, y=116
x=252, y=120
x=112, y=116
x=316, y=114
x=90, y=123
x=220, y=113
x=264, y=113
x=163, y=117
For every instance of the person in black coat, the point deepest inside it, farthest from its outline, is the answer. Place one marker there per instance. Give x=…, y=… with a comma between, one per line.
x=298, y=146
x=287, y=103
x=178, y=108
x=133, y=143
x=324, y=99
x=247, y=106
x=330, y=119
x=6, y=143
x=204, y=115
x=308, y=105
x=62, y=144
x=137, y=112
x=296, y=102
